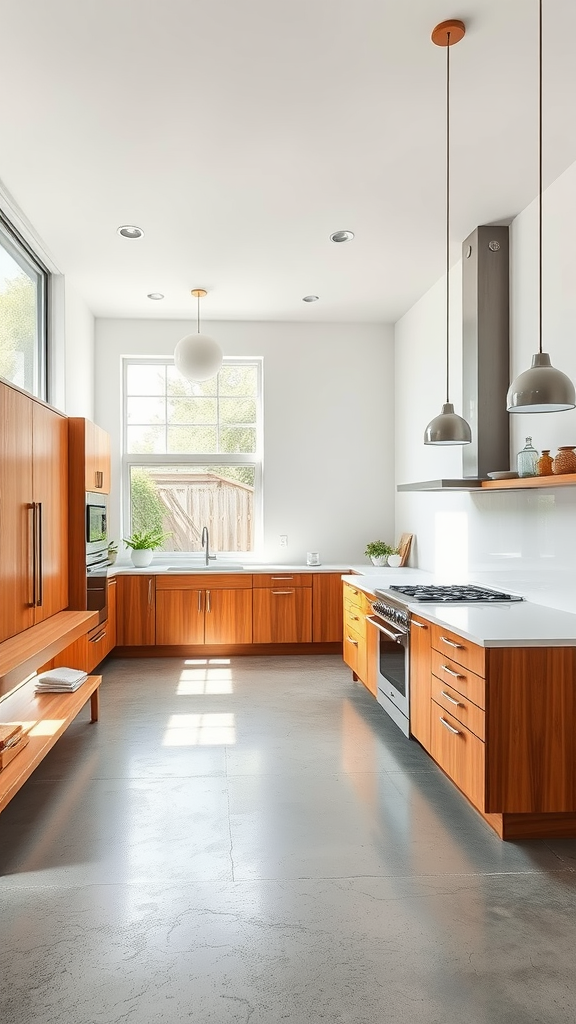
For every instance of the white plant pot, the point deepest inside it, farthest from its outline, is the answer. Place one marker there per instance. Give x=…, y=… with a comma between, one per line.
x=394, y=561
x=141, y=558
x=378, y=559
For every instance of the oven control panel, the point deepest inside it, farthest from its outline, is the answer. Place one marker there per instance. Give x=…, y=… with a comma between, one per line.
x=399, y=616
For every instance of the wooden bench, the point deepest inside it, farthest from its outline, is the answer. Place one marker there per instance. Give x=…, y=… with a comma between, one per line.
x=45, y=717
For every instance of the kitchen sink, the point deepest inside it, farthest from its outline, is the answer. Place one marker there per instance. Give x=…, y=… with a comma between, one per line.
x=200, y=567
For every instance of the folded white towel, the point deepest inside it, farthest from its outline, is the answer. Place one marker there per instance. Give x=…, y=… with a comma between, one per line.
x=60, y=680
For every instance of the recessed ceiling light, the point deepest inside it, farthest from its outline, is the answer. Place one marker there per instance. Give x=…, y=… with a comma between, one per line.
x=130, y=231
x=310, y=298
x=154, y=295
x=341, y=236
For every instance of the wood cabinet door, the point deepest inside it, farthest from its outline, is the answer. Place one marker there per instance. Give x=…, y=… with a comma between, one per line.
x=111, y=622
x=459, y=753
x=96, y=458
x=135, y=611
x=180, y=617
x=228, y=617
x=50, y=491
x=420, y=681
x=327, y=607
x=282, y=616
x=16, y=610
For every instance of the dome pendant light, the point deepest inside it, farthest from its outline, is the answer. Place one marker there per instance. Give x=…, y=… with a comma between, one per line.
x=542, y=388
x=448, y=427
x=197, y=356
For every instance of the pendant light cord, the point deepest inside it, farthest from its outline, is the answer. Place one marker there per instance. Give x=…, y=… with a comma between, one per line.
x=448, y=219
x=198, y=314
x=540, y=180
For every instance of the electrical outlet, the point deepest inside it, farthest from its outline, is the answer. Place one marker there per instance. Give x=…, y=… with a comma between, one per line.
x=283, y=540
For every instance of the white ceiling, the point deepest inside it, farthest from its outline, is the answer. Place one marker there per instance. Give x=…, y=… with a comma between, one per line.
x=240, y=133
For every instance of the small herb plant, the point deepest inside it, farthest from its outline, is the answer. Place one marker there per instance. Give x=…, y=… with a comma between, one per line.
x=378, y=549
x=145, y=540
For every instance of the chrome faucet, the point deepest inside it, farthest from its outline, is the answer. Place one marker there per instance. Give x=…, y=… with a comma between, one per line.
x=206, y=541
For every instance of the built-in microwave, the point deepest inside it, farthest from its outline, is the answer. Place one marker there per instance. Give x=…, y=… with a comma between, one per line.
x=96, y=524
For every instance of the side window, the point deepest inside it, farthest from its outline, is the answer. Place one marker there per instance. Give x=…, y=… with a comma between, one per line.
x=23, y=314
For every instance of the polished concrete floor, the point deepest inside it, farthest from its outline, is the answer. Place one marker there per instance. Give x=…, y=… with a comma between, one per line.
x=253, y=842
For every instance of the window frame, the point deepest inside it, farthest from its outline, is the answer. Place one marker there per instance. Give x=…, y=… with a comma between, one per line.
x=254, y=459
x=22, y=253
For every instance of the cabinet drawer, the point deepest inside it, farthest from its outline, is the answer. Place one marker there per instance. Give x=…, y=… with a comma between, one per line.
x=469, y=685
x=459, y=753
x=97, y=646
x=281, y=580
x=204, y=581
x=458, y=706
x=352, y=596
x=353, y=651
x=354, y=620
x=463, y=651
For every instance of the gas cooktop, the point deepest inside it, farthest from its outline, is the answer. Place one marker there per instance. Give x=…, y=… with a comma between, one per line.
x=457, y=593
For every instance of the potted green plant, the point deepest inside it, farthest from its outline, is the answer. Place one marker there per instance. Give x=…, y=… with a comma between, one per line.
x=394, y=558
x=378, y=552
x=112, y=552
x=143, y=544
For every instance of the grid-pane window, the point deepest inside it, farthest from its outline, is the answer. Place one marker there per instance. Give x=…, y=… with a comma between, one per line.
x=23, y=318
x=192, y=453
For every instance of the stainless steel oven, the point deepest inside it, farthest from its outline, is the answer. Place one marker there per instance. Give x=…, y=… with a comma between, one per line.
x=391, y=623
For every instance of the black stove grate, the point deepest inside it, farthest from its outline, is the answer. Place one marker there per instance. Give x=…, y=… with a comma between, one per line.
x=454, y=593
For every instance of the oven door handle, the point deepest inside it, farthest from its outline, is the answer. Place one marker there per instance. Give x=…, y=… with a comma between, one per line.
x=397, y=637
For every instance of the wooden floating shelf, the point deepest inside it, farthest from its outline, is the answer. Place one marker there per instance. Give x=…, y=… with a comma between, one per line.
x=24, y=653
x=521, y=483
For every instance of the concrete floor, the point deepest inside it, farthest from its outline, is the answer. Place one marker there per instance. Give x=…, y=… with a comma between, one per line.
x=255, y=842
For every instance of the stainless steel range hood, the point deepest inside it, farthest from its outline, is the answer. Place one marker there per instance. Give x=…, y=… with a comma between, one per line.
x=485, y=360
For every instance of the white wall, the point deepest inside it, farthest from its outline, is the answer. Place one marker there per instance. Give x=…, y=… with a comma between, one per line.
x=79, y=355
x=528, y=535
x=328, y=425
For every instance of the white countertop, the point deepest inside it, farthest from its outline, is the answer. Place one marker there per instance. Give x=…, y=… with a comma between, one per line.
x=518, y=624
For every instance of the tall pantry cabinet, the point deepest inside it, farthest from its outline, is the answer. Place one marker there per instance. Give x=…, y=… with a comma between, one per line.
x=33, y=511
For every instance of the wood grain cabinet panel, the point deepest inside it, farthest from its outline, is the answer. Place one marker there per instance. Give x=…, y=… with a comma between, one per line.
x=282, y=614
x=112, y=586
x=459, y=753
x=16, y=608
x=420, y=680
x=96, y=458
x=180, y=616
x=327, y=607
x=136, y=611
x=50, y=485
x=228, y=616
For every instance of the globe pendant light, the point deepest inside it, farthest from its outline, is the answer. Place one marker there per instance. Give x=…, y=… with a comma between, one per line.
x=542, y=388
x=448, y=427
x=197, y=356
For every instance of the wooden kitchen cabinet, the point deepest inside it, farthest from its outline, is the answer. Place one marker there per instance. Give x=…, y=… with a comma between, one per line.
x=34, y=512
x=327, y=607
x=420, y=680
x=358, y=645
x=282, y=612
x=204, y=609
x=136, y=611
x=97, y=458
x=90, y=649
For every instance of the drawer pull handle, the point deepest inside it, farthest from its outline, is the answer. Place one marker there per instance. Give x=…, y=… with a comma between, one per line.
x=451, y=643
x=456, y=732
x=355, y=617
x=281, y=577
x=451, y=673
x=351, y=641
x=456, y=703
x=277, y=592
x=419, y=624
x=99, y=636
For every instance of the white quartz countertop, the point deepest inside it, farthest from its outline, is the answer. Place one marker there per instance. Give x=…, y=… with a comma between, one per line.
x=518, y=624
x=160, y=568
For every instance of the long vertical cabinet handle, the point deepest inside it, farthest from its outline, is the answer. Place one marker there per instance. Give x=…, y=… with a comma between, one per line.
x=199, y=602
x=40, y=600
x=32, y=509
x=150, y=591
x=208, y=604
